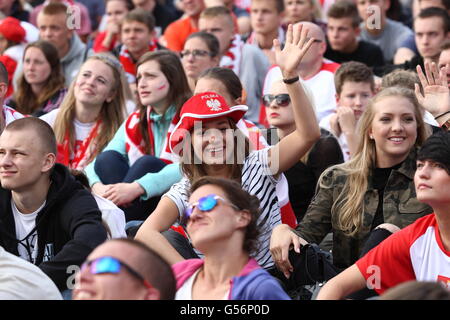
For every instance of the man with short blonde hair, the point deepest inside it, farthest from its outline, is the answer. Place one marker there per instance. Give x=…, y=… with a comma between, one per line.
x=52, y=22
x=247, y=61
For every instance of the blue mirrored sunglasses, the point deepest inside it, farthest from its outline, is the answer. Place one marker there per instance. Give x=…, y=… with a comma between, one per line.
x=112, y=265
x=206, y=204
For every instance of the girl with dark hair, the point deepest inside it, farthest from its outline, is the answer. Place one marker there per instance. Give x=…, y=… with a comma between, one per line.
x=222, y=222
x=41, y=86
x=132, y=168
x=209, y=142
x=200, y=52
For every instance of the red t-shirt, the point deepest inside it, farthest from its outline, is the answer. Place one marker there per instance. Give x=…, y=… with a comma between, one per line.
x=98, y=43
x=414, y=253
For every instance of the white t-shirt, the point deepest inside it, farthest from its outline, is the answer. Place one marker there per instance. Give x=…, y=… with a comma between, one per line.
x=256, y=180
x=21, y=280
x=82, y=130
x=25, y=223
x=113, y=216
x=185, y=291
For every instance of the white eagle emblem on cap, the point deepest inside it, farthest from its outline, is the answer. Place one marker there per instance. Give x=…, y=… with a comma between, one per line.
x=214, y=104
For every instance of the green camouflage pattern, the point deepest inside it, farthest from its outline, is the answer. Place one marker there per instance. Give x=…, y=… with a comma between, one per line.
x=400, y=207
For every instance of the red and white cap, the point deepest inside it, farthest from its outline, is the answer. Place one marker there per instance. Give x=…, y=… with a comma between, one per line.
x=202, y=107
x=11, y=30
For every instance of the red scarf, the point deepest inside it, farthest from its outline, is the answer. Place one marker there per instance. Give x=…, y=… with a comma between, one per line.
x=135, y=145
x=129, y=64
x=232, y=58
x=84, y=152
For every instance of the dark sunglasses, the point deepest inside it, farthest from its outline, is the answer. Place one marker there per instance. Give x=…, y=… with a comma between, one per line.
x=112, y=265
x=205, y=204
x=281, y=100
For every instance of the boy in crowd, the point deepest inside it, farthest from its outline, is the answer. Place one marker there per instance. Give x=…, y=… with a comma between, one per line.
x=53, y=27
x=379, y=29
x=355, y=86
x=431, y=29
x=248, y=62
x=137, y=34
x=46, y=217
x=266, y=17
x=342, y=34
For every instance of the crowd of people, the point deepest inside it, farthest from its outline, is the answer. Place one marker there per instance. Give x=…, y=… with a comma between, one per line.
x=224, y=149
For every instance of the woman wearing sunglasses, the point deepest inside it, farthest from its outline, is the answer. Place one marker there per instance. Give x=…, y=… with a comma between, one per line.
x=209, y=142
x=222, y=222
x=303, y=176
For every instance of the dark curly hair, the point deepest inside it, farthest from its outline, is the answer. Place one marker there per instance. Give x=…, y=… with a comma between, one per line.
x=241, y=199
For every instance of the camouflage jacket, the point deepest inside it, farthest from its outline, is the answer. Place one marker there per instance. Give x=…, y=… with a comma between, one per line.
x=400, y=207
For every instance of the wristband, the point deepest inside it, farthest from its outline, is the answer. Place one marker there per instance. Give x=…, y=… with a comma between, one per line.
x=292, y=80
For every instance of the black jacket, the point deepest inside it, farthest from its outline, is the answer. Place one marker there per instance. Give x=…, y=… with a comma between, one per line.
x=69, y=227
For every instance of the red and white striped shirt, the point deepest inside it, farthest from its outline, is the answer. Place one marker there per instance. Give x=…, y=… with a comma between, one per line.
x=414, y=253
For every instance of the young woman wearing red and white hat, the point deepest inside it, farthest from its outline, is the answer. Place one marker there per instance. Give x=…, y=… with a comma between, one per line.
x=203, y=134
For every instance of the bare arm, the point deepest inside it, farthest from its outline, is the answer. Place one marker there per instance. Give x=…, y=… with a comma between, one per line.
x=345, y=283
x=307, y=131
x=165, y=214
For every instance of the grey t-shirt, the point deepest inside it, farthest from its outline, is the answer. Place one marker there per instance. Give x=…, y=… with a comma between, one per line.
x=390, y=39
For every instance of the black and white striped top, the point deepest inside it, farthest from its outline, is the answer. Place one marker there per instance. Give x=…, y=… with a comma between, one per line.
x=256, y=180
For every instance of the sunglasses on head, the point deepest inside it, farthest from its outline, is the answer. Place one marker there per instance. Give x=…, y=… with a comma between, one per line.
x=281, y=100
x=112, y=265
x=205, y=204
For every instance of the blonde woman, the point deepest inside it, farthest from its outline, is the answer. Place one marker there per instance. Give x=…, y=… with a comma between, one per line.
x=91, y=112
x=372, y=194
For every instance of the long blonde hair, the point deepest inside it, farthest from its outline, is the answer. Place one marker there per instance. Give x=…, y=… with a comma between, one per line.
x=112, y=113
x=349, y=205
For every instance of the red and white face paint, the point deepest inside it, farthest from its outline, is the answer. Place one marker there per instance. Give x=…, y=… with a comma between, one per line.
x=152, y=85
